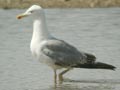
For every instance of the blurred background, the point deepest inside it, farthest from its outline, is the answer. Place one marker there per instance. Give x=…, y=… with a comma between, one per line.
x=6, y=4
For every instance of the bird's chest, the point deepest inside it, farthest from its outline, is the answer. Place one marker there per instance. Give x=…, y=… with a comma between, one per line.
x=36, y=50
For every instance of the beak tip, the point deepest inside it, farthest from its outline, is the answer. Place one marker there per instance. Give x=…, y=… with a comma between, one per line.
x=21, y=16
x=18, y=17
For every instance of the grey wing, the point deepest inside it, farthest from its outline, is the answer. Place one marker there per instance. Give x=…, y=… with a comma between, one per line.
x=64, y=54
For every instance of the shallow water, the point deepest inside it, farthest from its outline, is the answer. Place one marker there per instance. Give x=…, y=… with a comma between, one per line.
x=95, y=31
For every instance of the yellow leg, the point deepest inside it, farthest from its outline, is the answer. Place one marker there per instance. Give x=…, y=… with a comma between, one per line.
x=61, y=74
x=55, y=77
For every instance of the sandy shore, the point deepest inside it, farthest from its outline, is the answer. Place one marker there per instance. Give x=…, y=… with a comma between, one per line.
x=6, y=4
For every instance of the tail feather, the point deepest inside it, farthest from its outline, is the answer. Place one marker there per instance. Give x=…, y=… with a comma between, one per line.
x=96, y=65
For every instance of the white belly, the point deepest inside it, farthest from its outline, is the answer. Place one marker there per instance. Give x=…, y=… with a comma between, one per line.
x=39, y=55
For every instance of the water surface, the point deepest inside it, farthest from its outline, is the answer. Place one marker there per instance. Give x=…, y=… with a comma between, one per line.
x=95, y=31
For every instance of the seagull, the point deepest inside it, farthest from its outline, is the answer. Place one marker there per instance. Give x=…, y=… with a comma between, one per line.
x=54, y=52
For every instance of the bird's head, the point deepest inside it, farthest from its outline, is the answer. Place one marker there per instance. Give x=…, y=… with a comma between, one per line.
x=32, y=11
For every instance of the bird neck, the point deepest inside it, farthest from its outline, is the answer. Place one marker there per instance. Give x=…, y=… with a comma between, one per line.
x=40, y=31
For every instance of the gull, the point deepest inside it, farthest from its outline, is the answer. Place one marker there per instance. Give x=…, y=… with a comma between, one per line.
x=54, y=52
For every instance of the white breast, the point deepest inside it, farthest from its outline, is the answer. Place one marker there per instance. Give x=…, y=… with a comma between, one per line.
x=37, y=53
x=35, y=47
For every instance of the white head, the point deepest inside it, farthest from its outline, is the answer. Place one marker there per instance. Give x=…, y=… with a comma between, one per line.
x=34, y=11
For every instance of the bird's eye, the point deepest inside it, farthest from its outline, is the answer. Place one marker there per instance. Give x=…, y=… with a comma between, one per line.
x=31, y=11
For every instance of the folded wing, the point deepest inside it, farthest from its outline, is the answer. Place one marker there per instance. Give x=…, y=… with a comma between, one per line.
x=64, y=54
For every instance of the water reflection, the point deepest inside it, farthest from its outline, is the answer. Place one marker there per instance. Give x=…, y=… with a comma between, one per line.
x=99, y=81
x=86, y=85
x=91, y=30
x=81, y=87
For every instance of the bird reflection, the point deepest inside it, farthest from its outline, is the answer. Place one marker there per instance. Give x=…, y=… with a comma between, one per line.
x=96, y=84
x=82, y=87
x=102, y=81
x=99, y=84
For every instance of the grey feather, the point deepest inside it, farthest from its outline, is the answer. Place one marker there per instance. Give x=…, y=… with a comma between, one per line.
x=64, y=54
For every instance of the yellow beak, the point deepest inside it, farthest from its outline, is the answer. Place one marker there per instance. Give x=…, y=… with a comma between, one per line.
x=21, y=16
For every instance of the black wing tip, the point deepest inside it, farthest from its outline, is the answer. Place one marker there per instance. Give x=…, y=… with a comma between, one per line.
x=113, y=68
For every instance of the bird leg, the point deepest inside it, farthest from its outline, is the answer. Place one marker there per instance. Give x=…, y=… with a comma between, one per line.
x=55, y=77
x=61, y=74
